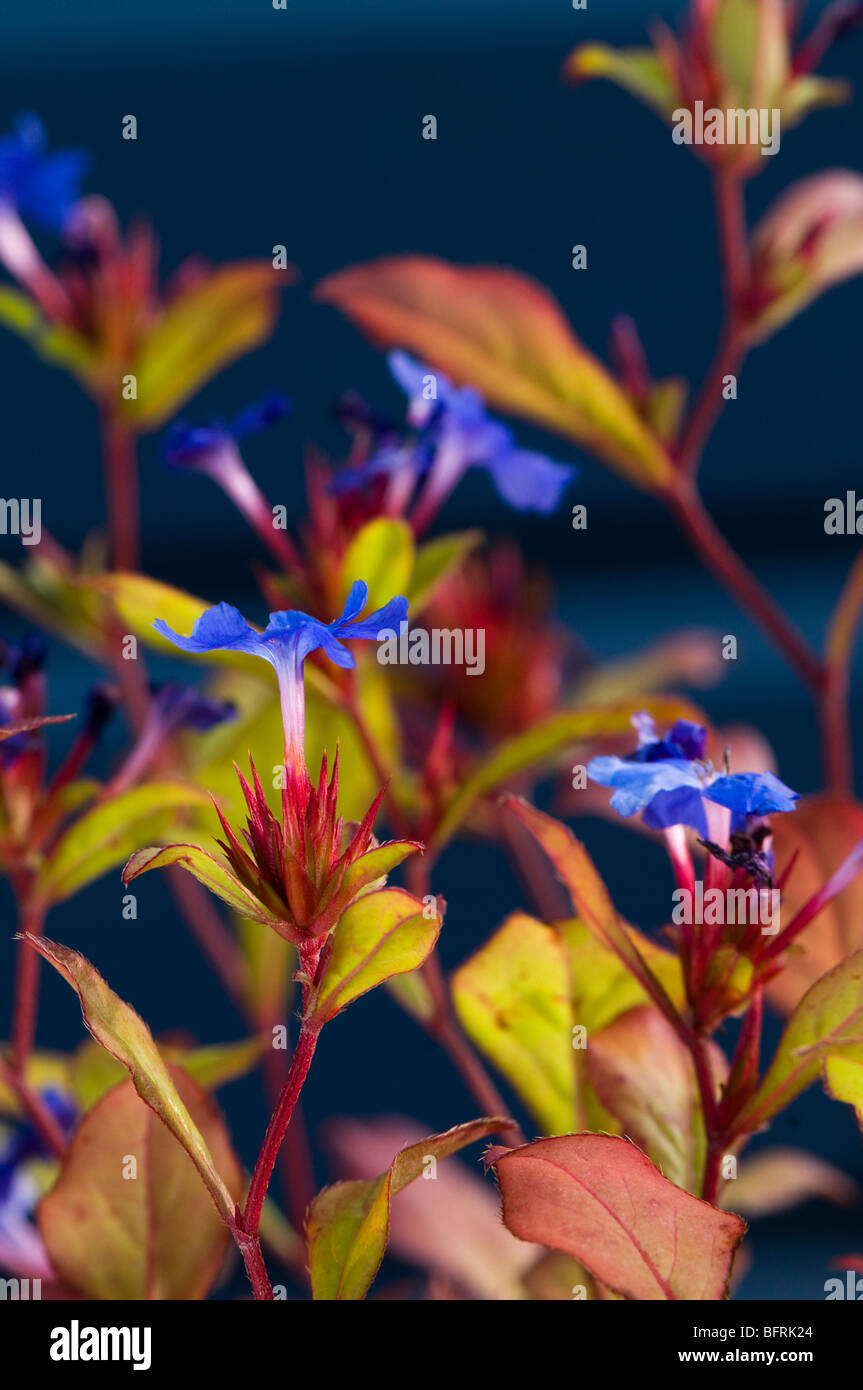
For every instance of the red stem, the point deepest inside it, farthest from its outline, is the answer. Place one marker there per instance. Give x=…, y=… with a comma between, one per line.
x=120, y=465
x=26, y=998
x=281, y=1118
x=733, y=574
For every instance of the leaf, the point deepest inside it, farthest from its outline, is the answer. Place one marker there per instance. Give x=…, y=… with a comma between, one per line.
x=200, y=332
x=151, y=1236
x=599, y=1199
x=94, y=1071
x=449, y=1227
x=269, y=962
x=809, y=240
x=348, y=1223
x=55, y=345
x=543, y=741
x=380, y=935
x=822, y=832
x=638, y=71
x=116, y=1027
x=210, y=871
x=602, y=986
x=775, y=1180
x=382, y=554
x=504, y=334
x=827, y=1022
x=107, y=834
x=435, y=561
x=512, y=997
x=26, y=726
x=590, y=897
x=843, y=1079
x=643, y=1074
x=139, y=600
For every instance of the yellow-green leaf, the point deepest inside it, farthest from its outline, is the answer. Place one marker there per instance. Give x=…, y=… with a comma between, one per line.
x=121, y=1031
x=94, y=1071
x=348, y=1223
x=108, y=833
x=210, y=871
x=827, y=1024
x=513, y=1000
x=201, y=331
x=382, y=555
x=638, y=71
x=436, y=560
x=382, y=934
x=591, y=898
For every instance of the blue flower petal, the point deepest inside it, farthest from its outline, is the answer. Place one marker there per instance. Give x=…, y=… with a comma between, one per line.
x=684, y=806
x=636, y=784
x=527, y=481
x=752, y=793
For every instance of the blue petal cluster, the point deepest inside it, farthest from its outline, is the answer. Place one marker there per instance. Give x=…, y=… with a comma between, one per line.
x=39, y=185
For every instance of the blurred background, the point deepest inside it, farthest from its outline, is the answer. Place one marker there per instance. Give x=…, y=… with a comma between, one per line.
x=258, y=127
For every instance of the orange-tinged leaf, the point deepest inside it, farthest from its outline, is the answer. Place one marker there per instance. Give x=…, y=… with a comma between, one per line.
x=128, y=1217
x=122, y=1032
x=348, y=1223
x=504, y=334
x=822, y=832
x=601, y=1200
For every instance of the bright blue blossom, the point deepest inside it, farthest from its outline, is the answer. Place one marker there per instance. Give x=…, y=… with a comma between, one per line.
x=39, y=185
x=287, y=640
x=668, y=780
x=752, y=794
x=192, y=446
x=639, y=784
x=455, y=421
x=456, y=434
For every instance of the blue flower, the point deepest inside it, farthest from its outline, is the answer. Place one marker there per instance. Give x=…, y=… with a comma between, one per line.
x=668, y=780
x=666, y=787
x=454, y=420
x=37, y=184
x=192, y=446
x=288, y=639
x=751, y=794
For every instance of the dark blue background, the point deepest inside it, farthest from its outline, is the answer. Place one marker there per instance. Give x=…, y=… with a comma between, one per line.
x=302, y=127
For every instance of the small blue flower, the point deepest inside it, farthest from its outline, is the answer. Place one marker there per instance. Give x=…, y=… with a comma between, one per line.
x=287, y=640
x=39, y=185
x=752, y=794
x=192, y=446
x=668, y=780
x=639, y=785
x=455, y=421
